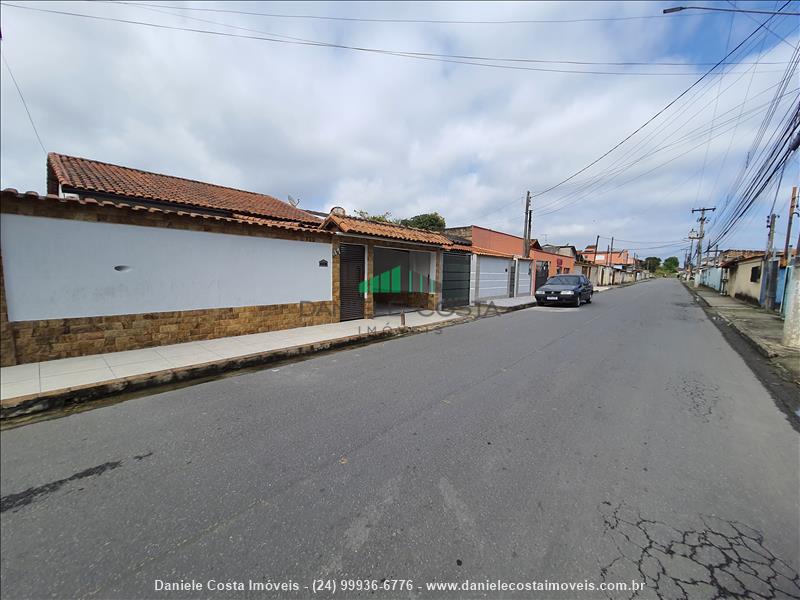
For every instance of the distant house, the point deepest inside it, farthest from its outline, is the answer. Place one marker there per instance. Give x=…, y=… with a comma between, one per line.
x=564, y=250
x=529, y=272
x=741, y=277
x=620, y=259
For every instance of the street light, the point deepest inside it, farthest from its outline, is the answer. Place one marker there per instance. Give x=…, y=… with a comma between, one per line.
x=675, y=9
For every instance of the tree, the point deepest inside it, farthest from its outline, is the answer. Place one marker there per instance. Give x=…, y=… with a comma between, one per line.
x=430, y=221
x=651, y=263
x=671, y=264
x=385, y=217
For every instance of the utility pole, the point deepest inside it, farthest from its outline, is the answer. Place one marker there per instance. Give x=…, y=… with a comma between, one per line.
x=690, y=257
x=702, y=220
x=526, y=226
x=792, y=210
x=599, y=278
x=611, y=259
x=767, y=270
x=791, y=323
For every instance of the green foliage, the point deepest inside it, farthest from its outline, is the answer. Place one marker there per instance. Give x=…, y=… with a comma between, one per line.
x=430, y=221
x=385, y=217
x=671, y=264
x=651, y=263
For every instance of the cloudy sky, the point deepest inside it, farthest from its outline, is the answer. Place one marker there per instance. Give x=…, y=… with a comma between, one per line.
x=403, y=134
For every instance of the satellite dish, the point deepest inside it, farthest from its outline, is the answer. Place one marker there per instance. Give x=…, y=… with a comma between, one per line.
x=293, y=201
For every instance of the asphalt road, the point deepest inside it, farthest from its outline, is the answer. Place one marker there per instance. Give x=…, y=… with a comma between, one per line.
x=622, y=441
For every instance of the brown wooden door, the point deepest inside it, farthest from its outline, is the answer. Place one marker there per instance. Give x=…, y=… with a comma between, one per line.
x=351, y=274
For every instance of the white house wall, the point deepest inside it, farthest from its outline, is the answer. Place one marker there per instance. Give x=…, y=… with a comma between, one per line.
x=473, y=278
x=59, y=268
x=524, y=273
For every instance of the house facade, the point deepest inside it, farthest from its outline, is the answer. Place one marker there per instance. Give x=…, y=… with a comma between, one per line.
x=117, y=259
x=742, y=278
x=533, y=269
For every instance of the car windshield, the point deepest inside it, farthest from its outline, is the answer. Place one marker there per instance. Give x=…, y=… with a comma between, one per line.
x=564, y=280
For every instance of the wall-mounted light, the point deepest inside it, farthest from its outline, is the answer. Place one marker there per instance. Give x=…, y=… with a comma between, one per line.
x=122, y=268
x=323, y=263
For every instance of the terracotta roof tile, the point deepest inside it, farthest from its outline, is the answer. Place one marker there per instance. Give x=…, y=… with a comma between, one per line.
x=247, y=220
x=355, y=225
x=87, y=176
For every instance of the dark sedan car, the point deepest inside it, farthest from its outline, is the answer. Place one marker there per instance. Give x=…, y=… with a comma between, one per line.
x=565, y=289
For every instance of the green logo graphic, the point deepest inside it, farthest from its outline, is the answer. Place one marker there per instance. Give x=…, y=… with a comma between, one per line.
x=391, y=282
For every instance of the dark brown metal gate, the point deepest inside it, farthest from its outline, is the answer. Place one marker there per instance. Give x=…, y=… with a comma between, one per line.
x=455, y=279
x=351, y=274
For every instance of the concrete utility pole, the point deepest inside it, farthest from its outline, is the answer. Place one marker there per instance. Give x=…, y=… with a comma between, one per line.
x=526, y=226
x=768, y=272
x=792, y=210
x=599, y=278
x=791, y=324
x=702, y=220
x=611, y=259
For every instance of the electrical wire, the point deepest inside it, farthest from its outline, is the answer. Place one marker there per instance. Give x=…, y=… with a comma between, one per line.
x=280, y=39
x=661, y=111
x=597, y=190
x=24, y=103
x=612, y=168
x=390, y=20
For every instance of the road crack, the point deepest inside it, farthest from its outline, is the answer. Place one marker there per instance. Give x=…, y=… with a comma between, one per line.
x=723, y=559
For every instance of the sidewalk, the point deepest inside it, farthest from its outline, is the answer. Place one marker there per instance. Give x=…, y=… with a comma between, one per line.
x=762, y=329
x=36, y=387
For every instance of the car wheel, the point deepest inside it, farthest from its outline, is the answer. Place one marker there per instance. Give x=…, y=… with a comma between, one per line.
x=577, y=302
x=589, y=299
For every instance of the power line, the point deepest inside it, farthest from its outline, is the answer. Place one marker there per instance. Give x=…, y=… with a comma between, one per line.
x=780, y=151
x=438, y=55
x=775, y=154
x=655, y=116
x=586, y=189
x=707, y=85
x=714, y=115
x=24, y=103
x=585, y=168
x=755, y=20
x=730, y=10
x=390, y=20
x=274, y=38
x=746, y=95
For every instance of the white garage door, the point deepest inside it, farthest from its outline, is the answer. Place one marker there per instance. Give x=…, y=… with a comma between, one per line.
x=493, y=277
x=524, y=277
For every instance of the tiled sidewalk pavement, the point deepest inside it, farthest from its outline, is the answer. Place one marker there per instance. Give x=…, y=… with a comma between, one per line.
x=761, y=328
x=36, y=378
